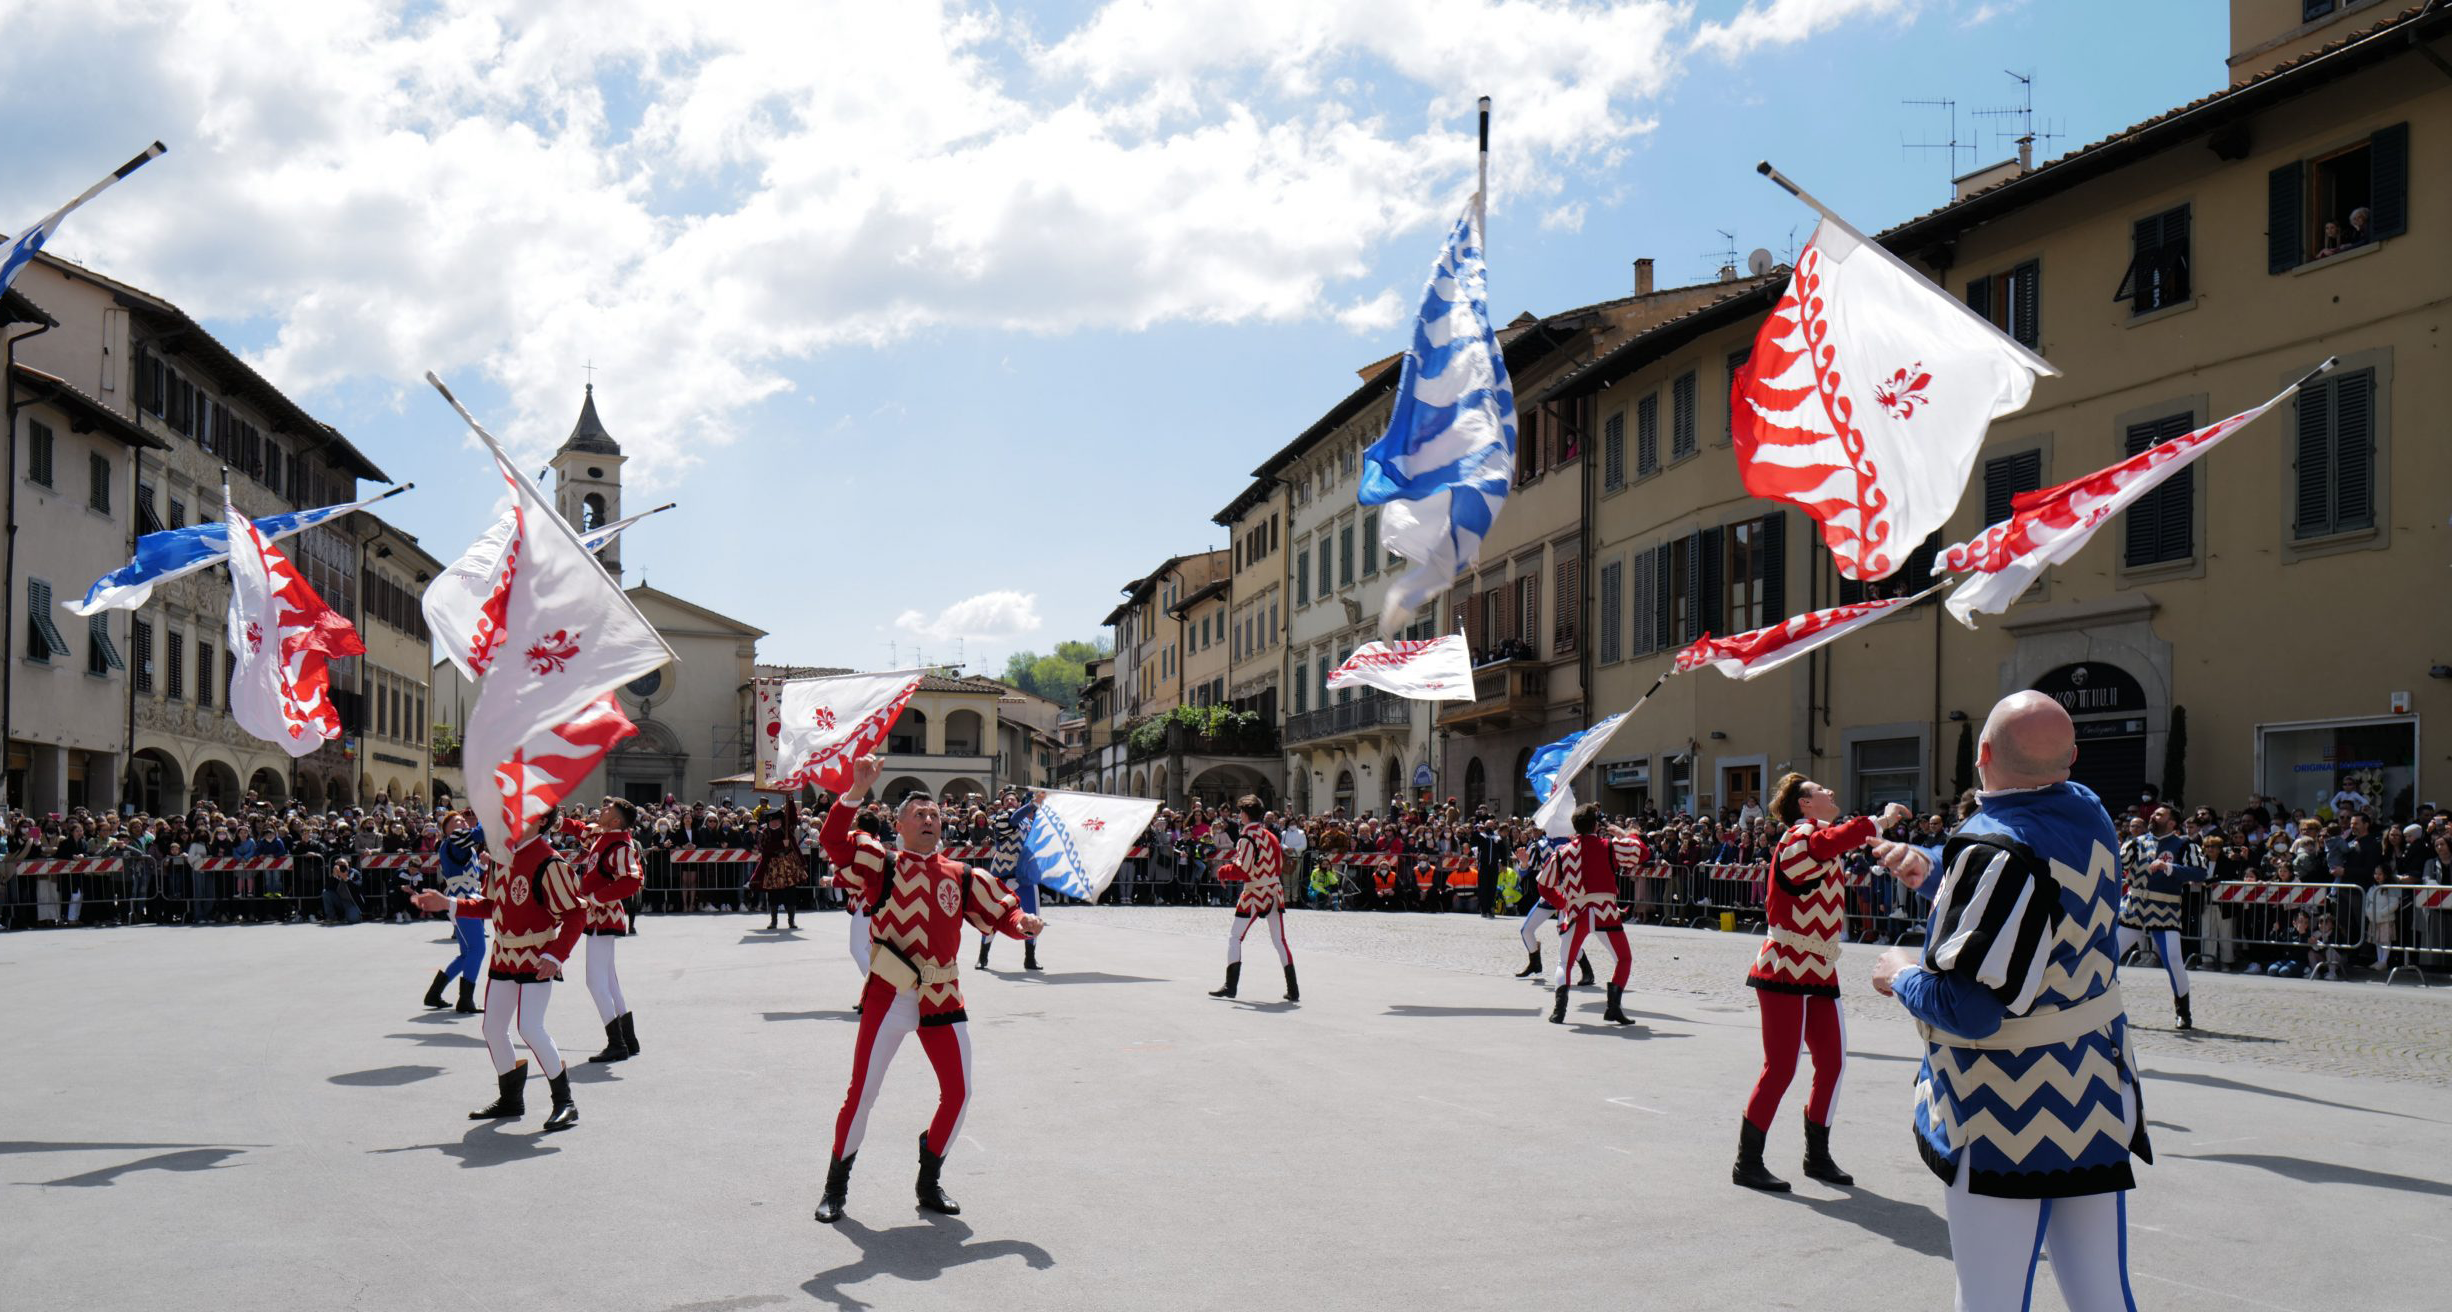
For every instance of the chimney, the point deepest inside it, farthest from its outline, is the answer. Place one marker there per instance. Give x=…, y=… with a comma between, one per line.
x=1643, y=276
x=2026, y=155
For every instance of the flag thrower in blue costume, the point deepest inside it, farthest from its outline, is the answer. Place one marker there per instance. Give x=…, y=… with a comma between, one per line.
x=461, y=860
x=2027, y=1105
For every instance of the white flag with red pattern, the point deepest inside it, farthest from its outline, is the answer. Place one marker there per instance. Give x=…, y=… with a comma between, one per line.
x=813, y=729
x=2047, y=527
x=282, y=638
x=1755, y=653
x=1428, y=670
x=1867, y=395
x=555, y=638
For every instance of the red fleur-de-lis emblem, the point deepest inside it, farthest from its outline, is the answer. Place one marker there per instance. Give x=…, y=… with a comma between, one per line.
x=554, y=653
x=255, y=636
x=1905, y=391
x=1094, y=824
x=822, y=717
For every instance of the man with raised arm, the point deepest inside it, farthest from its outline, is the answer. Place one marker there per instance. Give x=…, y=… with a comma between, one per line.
x=2027, y=1105
x=914, y=981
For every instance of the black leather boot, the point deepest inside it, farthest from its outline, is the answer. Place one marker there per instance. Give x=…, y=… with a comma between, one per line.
x=1234, y=976
x=1030, y=954
x=1558, y=1009
x=932, y=1198
x=1749, y=1170
x=614, y=1048
x=468, y=998
x=510, y=1097
x=1532, y=966
x=565, y=1113
x=1293, y=992
x=984, y=940
x=630, y=1032
x=2180, y=1005
x=434, y=993
x=1583, y=971
x=770, y=922
x=838, y=1187
x=1818, y=1163
x=1615, y=1013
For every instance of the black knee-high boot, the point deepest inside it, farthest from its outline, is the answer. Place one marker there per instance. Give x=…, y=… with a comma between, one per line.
x=932, y=1197
x=1030, y=954
x=565, y=1112
x=510, y=1096
x=1234, y=976
x=2180, y=1005
x=614, y=1048
x=984, y=941
x=1532, y=966
x=1818, y=1163
x=1615, y=1013
x=434, y=992
x=630, y=1033
x=1583, y=971
x=1749, y=1170
x=838, y=1189
x=468, y=998
x=1558, y=1009
x=1294, y=992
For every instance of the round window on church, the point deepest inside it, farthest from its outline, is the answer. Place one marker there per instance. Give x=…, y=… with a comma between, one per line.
x=594, y=472
x=646, y=684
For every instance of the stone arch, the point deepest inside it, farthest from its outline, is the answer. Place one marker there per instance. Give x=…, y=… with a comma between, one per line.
x=1140, y=783
x=1521, y=787
x=1342, y=796
x=394, y=791
x=592, y=512
x=909, y=736
x=962, y=788
x=1159, y=779
x=1476, y=785
x=966, y=734
x=215, y=781
x=1223, y=785
x=268, y=784
x=156, y=784
x=905, y=785
x=311, y=792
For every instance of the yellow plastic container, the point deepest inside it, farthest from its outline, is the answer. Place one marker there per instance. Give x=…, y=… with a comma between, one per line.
x=1728, y=922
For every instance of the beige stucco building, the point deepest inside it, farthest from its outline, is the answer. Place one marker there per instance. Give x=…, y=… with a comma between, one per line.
x=395, y=758
x=2278, y=592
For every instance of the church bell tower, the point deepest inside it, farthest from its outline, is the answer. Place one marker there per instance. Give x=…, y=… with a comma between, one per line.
x=587, y=480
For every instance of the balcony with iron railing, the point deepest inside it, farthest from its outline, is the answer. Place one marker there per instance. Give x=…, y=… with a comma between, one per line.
x=1504, y=692
x=1371, y=711
x=1252, y=739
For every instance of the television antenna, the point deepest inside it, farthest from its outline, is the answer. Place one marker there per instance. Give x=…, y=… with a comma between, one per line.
x=1724, y=257
x=2019, y=119
x=1949, y=149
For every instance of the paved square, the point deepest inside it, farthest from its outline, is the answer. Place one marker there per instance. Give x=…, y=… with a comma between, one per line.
x=263, y=1117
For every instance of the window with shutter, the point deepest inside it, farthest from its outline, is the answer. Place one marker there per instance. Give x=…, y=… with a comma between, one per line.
x=1345, y=556
x=229, y=667
x=2160, y=528
x=1775, y=566
x=43, y=639
x=147, y=521
x=1665, y=569
x=1528, y=611
x=1708, y=597
x=1570, y=598
x=98, y=481
x=1613, y=451
x=1647, y=436
x=1685, y=583
x=1370, y=544
x=1608, y=650
x=1327, y=581
x=1681, y=416
x=2158, y=268
x=1462, y=604
x=1743, y=609
x=2007, y=476
x=2335, y=475
x=204, y=673
x=140, y=648
x=2388, y=202
x=1302, y=574
x=39, y=445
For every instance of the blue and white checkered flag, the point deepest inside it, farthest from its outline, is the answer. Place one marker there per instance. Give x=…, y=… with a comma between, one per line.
x=178, y=552
x=1075, y=842
x=1551, y=772
x=1444, y=465
x=31, y=240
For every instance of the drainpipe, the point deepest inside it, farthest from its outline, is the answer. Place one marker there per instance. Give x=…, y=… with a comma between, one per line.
x=8, y=558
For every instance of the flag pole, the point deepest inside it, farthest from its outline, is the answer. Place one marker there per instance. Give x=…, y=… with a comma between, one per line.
x=1481, y=185
x=1831, y=216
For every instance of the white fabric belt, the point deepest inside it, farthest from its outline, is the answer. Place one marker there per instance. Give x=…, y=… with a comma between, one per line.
x=2066, y=1025
x=1827, y=949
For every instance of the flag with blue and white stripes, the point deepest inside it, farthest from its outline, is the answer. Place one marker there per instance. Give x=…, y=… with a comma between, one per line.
x=1442, y=469
x=178, y=552
x=1552, y=769
x=22, y=251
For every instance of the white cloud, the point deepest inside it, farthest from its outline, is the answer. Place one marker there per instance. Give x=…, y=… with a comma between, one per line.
x=1004, y=614
x=1565, y=218
x=1786, y=22
x=698, y=197
x=1991, y=9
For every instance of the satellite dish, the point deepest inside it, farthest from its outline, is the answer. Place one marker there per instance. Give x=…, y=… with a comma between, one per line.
x=1759, y=263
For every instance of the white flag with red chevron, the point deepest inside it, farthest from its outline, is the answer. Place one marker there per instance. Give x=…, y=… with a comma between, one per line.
x=1428, y=670
x=2049, y=526
x=282, y=638
x=1866, y=398
x=813, y=729
x=557, y=637
x=1760, y=651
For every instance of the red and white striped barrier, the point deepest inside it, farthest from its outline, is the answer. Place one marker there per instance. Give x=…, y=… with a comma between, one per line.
x=421, y=861
x=2280, y=895
x=2431, y=897
x=243, y=863
x=708, y=856
x=70, y=866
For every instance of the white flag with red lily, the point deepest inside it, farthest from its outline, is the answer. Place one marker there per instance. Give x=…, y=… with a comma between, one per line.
x=1867, y=395
x=1428, y=670
x=282, y=639
x=818, y=727
x=2048, y=526
x=555, y=639
x=1760, y=651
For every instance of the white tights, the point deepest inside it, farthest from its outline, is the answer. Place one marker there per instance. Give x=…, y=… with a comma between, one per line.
x=1277, y=934
x=1533, y=920
x=603, y=984
x=859, y=943
x=1995, y=1242
x=2166, y=946
x=510, y=1000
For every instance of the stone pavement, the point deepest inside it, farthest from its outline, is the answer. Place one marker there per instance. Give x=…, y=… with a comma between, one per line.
x=262, y=1117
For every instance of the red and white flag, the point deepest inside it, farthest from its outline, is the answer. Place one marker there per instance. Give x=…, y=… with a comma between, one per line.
x=555, y=639
x=1748, y=655
x=1866, y=398
x=1429, y=669
x=2048, y=526
x=282, y=639
x=811, y=730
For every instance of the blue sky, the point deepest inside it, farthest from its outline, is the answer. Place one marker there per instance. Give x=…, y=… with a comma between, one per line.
x=948, y=337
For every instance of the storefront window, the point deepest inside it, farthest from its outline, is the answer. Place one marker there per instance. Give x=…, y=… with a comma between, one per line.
x=1883, y=770
x=1681, y=785
x=2304, y=767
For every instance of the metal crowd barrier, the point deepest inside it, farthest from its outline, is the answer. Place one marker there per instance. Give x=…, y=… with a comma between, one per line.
x=2422, y=933
x=2265, y=921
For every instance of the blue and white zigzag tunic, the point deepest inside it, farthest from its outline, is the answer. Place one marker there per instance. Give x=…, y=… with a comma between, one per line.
x=2153, y=900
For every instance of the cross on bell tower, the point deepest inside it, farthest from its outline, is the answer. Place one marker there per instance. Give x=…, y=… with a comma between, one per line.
x=587, y=479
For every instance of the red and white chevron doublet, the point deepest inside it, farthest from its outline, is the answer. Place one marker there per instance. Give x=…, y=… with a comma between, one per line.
x=1807, y=908
x=610, y=872
x=1260, y=862
x=535, y=909
x=1582, y=875
x=918, y=923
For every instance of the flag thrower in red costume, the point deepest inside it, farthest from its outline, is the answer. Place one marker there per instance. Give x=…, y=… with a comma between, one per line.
x=537, y=914
x=1258, y=862
x=1580, y=879
x=914, y=980
x=611, y=871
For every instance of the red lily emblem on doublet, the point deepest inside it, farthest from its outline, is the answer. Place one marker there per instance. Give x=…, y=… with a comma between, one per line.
x=554, y=653
x=1904, y=392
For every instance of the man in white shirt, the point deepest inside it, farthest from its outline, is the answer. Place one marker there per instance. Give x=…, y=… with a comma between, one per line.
x=1297, y=848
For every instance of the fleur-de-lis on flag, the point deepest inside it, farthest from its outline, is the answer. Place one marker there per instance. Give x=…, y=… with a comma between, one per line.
x=255, y=636
x=822, y=717
x=1905, y=391
x=554, y=652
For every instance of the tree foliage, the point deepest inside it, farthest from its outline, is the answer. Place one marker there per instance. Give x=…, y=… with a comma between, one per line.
x=1056, y=676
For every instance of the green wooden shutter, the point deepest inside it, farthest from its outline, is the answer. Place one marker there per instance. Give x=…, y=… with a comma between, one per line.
x=2313, y=515
x=1775, y=566
x=2388, y=188
x=2285, y=249
x=1708, y=606
x=2354, y=451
